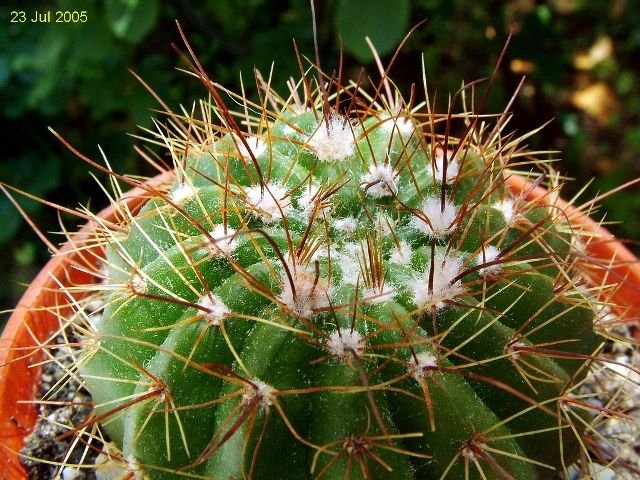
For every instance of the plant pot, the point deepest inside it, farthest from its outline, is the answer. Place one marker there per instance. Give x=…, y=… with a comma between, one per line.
x=33, y=321
x=623, y=266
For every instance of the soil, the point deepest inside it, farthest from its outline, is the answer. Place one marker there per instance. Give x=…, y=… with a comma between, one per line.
x=66, y=404
x=615, y=385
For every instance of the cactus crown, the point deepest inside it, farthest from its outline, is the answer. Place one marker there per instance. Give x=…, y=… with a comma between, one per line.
x=340, y=284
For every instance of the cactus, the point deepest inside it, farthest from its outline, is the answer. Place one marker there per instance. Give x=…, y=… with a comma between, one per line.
x=336, y=286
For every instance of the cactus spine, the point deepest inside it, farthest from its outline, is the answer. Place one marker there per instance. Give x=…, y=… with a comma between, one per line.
x=336, y=287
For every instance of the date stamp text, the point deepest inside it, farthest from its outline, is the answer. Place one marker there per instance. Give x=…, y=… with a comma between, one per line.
x=49, y=16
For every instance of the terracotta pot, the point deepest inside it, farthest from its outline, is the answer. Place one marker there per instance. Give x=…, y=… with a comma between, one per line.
x=623, y=266
x=32, y=323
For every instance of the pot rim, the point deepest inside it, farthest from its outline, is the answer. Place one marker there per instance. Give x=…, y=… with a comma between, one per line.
x=623, y=267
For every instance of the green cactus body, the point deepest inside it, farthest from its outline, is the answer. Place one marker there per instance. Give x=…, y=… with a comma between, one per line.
x=331, y=297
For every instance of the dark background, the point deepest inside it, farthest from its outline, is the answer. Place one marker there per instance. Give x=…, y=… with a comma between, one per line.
x=581, y=59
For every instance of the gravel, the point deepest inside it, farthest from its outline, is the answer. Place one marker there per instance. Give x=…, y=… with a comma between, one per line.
x=65, y=404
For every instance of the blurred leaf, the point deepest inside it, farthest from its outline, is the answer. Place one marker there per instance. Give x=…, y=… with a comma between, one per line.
x=384, y=22
x=19, y=171
x=625, y=83
x=25, y=254
x=4, y=71
x=544, y=14
x=9, y=219
x=131, y=20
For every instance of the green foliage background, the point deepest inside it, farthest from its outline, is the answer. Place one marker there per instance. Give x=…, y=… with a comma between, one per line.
x=74, y=77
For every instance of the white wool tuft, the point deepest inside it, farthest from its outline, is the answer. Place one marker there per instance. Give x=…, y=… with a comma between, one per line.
x=216, y=309
x=347, y=259
x=345, y=343
x=442, y=221
x=261, y=390
x=133, y=467
x=401, y=255
x=138, y=284
x=182, y=193
x=445, y=269
x=488, y=254
x=403, y=125
x=310, y=292
x=256, y=146
x=308, y=200
x=223, y=243
x=269, y=207
x=379, y=181
x=346, y=225
x=512, y=349
x=452, y=168
x=507, y=208
x=421, y=363
x=333, y=139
